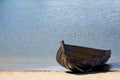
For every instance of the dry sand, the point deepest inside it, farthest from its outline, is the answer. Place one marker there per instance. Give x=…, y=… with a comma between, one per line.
x=55, y=75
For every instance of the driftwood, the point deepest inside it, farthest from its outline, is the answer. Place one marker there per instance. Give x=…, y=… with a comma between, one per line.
x=79, y=58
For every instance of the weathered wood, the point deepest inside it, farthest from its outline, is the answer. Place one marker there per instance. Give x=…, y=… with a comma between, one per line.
x=81, y=58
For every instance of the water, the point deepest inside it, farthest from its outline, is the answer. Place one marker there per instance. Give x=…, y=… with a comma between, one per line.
x=30, y=30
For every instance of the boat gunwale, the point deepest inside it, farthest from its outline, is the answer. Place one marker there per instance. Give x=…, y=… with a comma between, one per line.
x=86, y=47
x=72, y=48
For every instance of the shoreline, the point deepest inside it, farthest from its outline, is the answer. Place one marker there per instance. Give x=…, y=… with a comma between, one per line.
x=53, y=71
x=57, y=75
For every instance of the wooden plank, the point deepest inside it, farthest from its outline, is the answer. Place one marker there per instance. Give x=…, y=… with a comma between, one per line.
x=85, y=50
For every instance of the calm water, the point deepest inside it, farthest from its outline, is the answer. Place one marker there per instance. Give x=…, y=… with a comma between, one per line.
x=30, y=30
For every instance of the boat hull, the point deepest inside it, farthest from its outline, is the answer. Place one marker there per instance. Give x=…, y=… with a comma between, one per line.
x=78, y=58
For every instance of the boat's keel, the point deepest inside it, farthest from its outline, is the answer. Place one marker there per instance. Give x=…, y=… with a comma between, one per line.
x=104, y=67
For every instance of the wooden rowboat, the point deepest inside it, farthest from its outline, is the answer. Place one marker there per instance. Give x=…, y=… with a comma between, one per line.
x=83, y=59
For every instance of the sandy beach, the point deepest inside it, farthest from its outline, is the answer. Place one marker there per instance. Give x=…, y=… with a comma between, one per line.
x=57, y=75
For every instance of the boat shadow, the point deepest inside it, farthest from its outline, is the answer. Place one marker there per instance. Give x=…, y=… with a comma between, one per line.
x=104, y=69
x=86, y=73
